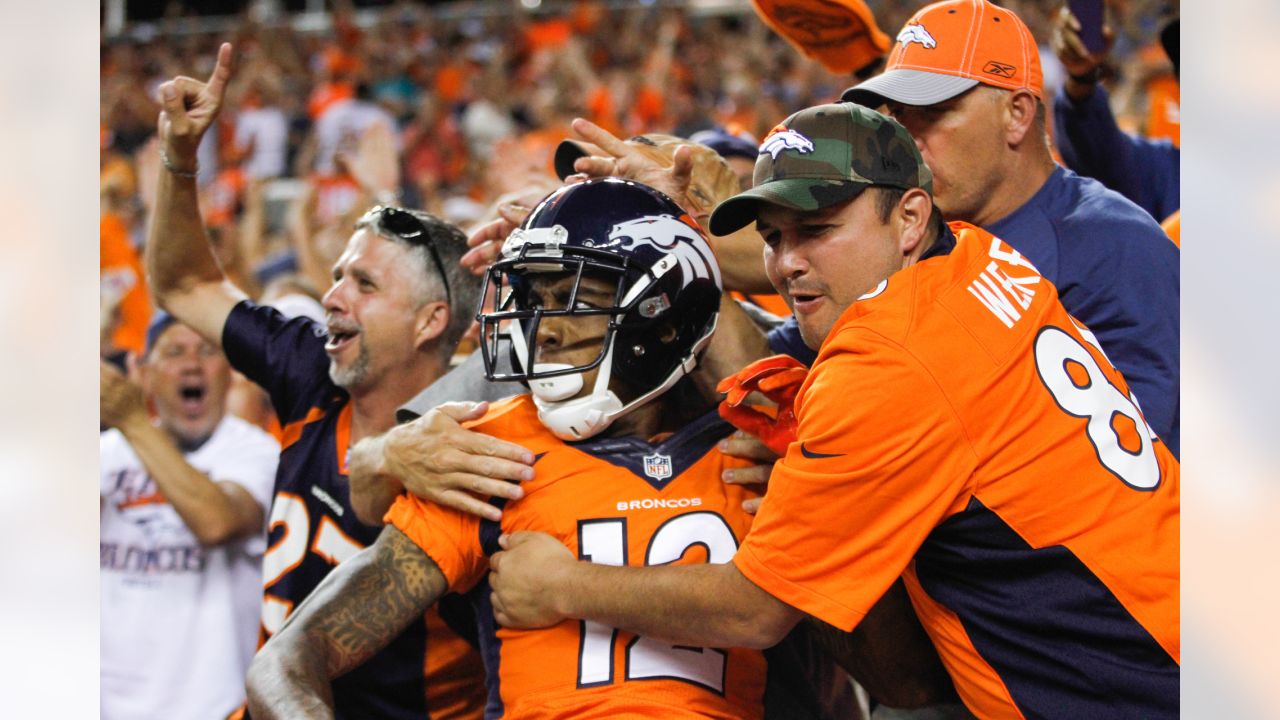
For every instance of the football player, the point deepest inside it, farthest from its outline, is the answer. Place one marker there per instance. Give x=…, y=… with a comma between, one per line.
x=608, y=291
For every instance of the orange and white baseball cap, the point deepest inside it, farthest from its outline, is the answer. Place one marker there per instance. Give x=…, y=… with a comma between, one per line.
x=948, y=48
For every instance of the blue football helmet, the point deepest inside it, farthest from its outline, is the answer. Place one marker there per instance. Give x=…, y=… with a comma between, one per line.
x=663, y=313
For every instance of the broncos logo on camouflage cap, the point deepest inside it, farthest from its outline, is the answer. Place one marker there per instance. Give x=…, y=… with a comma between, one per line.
x=849, y=148
x=785, y=139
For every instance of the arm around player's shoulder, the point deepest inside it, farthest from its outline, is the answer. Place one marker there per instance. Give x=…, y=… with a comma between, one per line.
x=880, y=448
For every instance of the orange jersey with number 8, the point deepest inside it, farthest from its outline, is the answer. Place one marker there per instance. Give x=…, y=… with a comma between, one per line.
x=960, y=429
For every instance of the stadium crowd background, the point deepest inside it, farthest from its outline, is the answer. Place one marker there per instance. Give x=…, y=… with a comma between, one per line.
x=460, y=104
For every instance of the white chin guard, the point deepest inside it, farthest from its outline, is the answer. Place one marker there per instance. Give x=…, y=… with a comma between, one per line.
x=578, y=419
x=554, y=389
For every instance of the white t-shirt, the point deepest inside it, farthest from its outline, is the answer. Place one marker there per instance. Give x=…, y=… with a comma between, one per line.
x=179, y=621
x=268, y=130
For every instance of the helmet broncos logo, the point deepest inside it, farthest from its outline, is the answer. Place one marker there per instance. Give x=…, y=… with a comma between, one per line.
x=664, y=233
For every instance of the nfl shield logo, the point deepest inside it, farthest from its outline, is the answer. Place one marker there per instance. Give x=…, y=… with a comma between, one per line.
x=657, y=467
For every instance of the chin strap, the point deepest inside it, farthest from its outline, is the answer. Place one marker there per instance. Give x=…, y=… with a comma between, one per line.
x=579, y=418
x=588, y=416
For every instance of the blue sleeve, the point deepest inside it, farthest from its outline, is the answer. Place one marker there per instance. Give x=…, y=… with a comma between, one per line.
x=1145, y=171
x=284, y=356
x=1126, y=289
x=785, y=340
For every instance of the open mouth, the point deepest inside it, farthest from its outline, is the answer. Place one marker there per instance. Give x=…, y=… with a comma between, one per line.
x=339, y=339
x=192, y=397
x=805, y=301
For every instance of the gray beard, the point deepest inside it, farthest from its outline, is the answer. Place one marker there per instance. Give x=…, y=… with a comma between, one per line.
x=350, y=377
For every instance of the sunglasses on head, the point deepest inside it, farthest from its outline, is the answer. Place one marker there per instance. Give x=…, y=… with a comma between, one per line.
x=406, y=226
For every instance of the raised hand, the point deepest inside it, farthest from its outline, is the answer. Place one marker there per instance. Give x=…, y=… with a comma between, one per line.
x=189, y=107
x=1067, y=45
x=486, y=241
x=620, y=159
x=119, y=400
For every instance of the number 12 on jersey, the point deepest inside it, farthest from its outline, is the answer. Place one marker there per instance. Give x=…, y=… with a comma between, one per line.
x=605, y=542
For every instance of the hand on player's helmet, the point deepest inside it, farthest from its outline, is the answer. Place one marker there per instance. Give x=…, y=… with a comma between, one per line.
x=627, y=161
x=439, y=460
x=527, y=577
x=778, y=378
x=189, y=107
x=486, y=240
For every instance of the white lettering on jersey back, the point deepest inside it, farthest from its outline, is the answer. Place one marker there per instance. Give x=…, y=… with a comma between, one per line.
x=327, y=499
x=658, y=503
x=1001, y=293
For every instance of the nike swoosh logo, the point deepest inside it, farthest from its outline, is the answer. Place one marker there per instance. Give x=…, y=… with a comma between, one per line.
x=817, y=455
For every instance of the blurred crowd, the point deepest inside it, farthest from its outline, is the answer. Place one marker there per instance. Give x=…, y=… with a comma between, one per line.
x=451, y=107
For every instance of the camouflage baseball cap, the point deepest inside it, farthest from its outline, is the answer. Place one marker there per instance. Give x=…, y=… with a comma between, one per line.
x=822, y=156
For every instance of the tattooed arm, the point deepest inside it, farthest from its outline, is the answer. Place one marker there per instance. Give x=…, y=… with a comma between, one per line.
x=359, y=608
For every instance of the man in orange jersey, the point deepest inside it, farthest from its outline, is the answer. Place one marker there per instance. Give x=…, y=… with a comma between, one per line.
x=394, y=314
x=609, y=292
x=959, y=430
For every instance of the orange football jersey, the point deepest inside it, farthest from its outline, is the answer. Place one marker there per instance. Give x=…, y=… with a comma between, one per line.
x=960, y=429
x=618, y=501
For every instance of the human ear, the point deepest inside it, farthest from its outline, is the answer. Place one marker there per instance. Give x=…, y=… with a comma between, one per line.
x=1020, y=116
x=912, y=216
x=432, y=321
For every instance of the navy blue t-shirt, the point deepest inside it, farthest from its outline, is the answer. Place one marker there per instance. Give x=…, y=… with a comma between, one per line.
x=1115, y=270
x=312, y=526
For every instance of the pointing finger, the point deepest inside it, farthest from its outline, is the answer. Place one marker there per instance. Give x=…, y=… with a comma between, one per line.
x=599, y=137
x=217, y=85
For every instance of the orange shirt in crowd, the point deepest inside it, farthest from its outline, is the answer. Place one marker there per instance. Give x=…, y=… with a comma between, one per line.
x=1164, y=116
x=121, y=275
x=451, y=80
x=548, y=34
x=326, y=94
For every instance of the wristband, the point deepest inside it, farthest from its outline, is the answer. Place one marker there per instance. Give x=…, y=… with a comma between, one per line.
x=164, y=160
